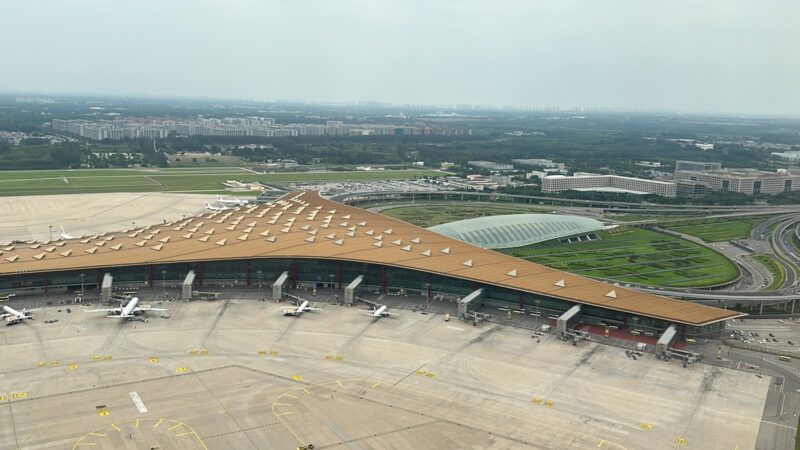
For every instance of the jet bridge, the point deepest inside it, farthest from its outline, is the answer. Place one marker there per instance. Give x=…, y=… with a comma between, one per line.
x=352, y=289
x=186, y=288
x=471, y=302
x=664, y=341
x=565, y=320
x=278, y=285
x=106, y=287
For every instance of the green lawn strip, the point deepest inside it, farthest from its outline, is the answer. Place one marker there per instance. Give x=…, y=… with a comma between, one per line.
x=778, y=275
x=167, y=180
x=635, y=255
x=722, y=229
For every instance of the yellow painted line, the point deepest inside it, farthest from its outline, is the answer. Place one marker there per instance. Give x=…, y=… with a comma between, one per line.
x=306, y=391
x=85, y=443
x=2, y=398
x=290, y=395
x=137, y=423
x=53, y=363
x=72, y=366
x=282, y=404
x=174, y=426
x=339, y=383
x=115, y=427
x=19, y=395
x=600, y=443
x=158, y=423
x=41, y=364
x=262, y=353
x=376, y=384
x=285, y=413
x=97, y=434
x=153, y=359
x=297, y=378
x=184, y=434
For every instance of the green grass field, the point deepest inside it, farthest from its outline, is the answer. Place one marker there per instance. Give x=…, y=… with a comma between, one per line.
x=428, y=216
x=718, y=230
x=187, y=180
x=635, y=255
x=778, y=274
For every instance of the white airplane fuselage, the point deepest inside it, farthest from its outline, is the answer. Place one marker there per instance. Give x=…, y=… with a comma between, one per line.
x=380, y=312
x=13, y=316
x=129, y=310
x=301, y=308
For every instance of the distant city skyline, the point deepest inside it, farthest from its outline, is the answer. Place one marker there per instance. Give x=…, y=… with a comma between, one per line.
x=736, y=56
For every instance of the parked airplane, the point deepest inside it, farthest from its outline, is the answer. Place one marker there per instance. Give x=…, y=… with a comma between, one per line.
x=129, y=311
x=65, y=235
x=301, y=308
x=216, y=208
x=381, y=311
x=13, y=316
x=234, y=201
x=5, y=298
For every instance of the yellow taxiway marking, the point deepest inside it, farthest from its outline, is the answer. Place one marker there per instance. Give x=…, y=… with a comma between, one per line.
x=2, y=398
x=158, y=423
x=97, y=434
x=297, y=378
x=72, y=366
x=85, y=443
x=181, y=369
x=376, y=384
x=175, y=426
x=290, y=395
x=17, y=395
x=306, y=391
x=153, y=359
x=283, y=404
x=645, y=426
x=681, y=441
x=548, y=403
x=339, y=383
x=284, y=413
x=184, y=434
x=137, y=423
x=600, y=443
x=114, y=426
x=41, y=364
x=53, y=363
x=103, y=412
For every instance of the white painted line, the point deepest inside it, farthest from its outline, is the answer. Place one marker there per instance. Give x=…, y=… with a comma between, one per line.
x=137, y=401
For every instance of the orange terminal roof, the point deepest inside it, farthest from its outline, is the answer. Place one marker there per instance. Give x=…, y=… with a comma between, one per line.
x=304, y=225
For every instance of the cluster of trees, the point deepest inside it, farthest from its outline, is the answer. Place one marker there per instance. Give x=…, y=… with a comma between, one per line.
x=66, y=155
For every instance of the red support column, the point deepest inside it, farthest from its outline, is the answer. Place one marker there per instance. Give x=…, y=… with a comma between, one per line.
x=294, y=274
x=247, y=272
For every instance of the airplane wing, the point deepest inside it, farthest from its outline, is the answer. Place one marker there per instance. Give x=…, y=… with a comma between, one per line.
x=107, y=310
x=313, y=309
x=147, y=308
x=33, y=310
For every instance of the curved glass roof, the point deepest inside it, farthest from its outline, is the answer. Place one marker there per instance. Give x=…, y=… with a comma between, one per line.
x=516, y=230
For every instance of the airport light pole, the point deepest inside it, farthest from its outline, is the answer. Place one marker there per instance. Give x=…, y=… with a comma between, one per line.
x=164, y=275
x=51, y=232
x=259, y=272
x=537, y=301
x=427, y=295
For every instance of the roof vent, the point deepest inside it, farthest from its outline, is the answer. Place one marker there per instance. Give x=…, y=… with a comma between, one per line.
x=612, y=294
x=467, y=263
x=513, y=273
x=560, y=283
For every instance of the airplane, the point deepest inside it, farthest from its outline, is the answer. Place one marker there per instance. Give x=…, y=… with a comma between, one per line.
x=216, y=208
x=5, y=298
x=234, y=201
x=64, y=235
x=381, y=311
x=13, y=316
x=129, y=311
x=301, y=308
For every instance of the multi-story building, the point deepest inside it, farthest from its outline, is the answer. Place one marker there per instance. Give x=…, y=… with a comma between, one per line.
x=490, y=165
x=608, y=183
x=745, y=181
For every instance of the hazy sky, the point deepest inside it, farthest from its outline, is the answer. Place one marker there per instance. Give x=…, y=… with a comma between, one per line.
x=694, y=55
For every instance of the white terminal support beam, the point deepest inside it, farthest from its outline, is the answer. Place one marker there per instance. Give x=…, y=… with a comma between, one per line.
x=186, y=288
x=472, y=301
x=562, y=323
x=352, y=289
x=277, y=286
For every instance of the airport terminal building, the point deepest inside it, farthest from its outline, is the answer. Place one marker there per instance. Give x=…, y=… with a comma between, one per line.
x=304, y=240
